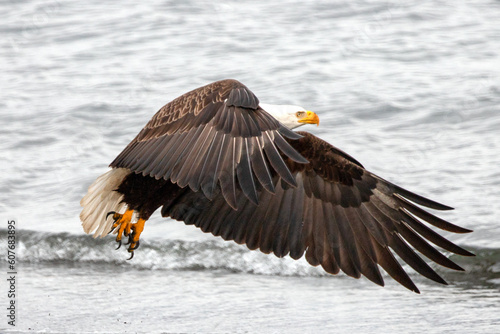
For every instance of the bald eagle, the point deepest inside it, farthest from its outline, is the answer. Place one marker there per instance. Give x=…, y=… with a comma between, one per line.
x=218, y=159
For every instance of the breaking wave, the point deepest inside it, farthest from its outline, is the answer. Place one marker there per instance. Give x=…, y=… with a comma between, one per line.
x=158, y=254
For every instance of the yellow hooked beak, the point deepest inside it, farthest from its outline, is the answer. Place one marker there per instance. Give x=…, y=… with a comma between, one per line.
x=310, y=118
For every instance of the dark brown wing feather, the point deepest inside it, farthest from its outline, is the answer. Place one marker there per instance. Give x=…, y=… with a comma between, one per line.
x=340, y=215
x=211, y=137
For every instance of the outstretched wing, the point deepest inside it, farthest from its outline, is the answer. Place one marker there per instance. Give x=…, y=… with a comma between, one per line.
x=210, y=137
x=339, y=214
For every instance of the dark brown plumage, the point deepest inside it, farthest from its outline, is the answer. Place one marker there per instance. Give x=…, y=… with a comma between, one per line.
x=206, y=137
x=214, y=159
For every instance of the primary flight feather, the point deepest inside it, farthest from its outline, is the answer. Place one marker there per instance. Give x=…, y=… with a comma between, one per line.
x=218, y=159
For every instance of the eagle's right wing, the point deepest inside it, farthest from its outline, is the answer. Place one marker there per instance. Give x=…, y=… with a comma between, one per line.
x=339, y=215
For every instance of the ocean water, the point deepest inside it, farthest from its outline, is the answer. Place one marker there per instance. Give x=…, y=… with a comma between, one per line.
x=410, y=89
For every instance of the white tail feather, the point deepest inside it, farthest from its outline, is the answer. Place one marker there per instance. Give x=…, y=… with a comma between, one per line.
x=100, y=199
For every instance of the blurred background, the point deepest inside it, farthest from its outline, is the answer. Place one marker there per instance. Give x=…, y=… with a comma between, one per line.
x=410, y=89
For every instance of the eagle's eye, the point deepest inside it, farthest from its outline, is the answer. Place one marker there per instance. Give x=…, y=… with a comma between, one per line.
x=300, y=114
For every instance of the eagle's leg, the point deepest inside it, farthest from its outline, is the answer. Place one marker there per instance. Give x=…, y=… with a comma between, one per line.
x=122, y=223
x=133, y=240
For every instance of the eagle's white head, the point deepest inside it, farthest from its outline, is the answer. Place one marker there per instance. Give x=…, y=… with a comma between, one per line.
x=291, y=116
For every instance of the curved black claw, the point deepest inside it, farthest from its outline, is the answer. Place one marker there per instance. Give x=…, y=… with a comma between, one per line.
x=136, y=246
x=110, y=213
x=130, y=237
x=131, y=255
x=119, y=244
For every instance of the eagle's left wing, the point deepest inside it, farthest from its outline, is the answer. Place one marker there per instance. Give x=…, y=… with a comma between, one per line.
x=213, y=136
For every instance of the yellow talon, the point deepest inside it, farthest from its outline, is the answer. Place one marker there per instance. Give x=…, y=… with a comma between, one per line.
x=123, y=222
x=137, y=229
